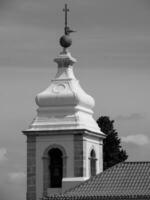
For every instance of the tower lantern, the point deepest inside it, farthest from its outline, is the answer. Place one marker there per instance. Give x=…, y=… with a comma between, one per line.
x=64, y=143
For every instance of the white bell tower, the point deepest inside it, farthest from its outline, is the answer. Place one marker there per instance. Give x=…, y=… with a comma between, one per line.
x=64, y=143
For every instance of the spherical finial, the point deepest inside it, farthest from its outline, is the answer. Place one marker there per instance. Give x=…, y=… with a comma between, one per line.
x=65, y=41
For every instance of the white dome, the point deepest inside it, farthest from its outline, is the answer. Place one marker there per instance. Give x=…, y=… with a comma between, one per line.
x=63, y=93
x=65, y=88
x=64, y=104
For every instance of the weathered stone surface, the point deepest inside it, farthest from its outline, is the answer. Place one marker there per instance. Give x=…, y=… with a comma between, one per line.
x=31, y=196
x=31, y=168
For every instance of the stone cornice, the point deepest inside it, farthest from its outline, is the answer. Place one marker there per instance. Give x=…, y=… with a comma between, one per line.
x=83, y=132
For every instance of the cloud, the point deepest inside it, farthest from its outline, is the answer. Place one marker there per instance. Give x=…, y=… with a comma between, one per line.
x=133, y=116
x=3, y=153
x=17, y=176
x=139, y=139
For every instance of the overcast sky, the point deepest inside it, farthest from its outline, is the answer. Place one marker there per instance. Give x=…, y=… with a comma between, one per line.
x=112, y=46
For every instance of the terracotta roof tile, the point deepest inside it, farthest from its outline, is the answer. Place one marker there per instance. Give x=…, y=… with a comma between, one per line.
x=122, y=181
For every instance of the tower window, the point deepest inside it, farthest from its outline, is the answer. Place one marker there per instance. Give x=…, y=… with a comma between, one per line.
x=55, y=168
x=93, y=163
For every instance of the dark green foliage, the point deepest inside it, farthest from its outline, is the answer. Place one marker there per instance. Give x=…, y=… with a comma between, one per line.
x=112, y=150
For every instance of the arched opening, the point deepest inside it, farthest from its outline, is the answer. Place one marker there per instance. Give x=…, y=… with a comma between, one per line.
x=55, y=167
x=92, y=163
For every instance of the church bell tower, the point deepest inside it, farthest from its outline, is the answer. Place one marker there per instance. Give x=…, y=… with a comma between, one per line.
x=64, y=143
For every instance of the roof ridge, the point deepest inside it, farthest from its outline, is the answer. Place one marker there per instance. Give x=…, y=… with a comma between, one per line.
x=133, y=162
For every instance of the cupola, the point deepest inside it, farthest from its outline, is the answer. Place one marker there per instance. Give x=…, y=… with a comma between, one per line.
x=64, y=104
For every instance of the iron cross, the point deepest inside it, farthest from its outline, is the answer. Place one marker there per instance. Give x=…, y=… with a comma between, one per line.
x=66, y=10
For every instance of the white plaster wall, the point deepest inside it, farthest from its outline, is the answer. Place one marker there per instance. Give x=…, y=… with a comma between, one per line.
x=95, y=144
x=42, y=143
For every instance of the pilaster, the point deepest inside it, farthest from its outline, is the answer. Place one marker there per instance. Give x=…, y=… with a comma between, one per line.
x=78, y=155
x=31, y=168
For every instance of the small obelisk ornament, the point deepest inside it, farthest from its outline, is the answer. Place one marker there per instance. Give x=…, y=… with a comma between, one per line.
x=65, y=40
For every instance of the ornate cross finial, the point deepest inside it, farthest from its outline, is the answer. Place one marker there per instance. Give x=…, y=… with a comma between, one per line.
x=66, y=10
x=65, y=40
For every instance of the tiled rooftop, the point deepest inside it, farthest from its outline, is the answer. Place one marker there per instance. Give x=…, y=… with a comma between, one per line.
x=126, y=180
